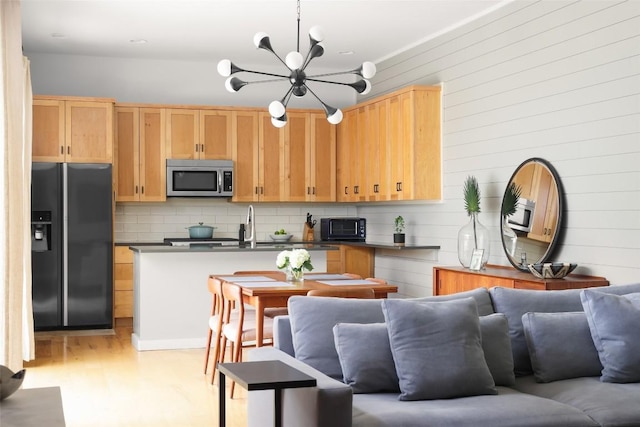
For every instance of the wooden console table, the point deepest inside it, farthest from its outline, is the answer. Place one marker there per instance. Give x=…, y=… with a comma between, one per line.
x=449, y=280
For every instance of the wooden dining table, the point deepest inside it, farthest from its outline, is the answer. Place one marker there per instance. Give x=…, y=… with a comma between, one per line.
x=265, y=290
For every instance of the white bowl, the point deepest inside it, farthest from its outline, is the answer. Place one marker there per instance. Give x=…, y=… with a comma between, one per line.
x=281, y=237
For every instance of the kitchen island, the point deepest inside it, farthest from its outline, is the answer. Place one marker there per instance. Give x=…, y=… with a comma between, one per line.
x=171, y=301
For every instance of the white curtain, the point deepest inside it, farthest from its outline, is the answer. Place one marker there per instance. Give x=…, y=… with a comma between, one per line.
x=16, y=314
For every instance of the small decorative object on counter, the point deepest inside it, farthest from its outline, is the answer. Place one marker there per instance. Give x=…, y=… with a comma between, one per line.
x=10, y=382
x=294, y=262
x=474, y=235
x=307, y=234
x=200, y=231
x=398, y=235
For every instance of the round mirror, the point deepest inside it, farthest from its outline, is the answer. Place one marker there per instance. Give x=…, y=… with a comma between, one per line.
x=531, y=213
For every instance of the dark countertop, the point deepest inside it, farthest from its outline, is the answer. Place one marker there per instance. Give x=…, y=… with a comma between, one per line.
x=262, y=247
x=375, y=245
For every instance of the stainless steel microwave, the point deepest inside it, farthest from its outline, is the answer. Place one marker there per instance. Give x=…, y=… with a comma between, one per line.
x=199, y=178
x=522, y=219
x=345, y=229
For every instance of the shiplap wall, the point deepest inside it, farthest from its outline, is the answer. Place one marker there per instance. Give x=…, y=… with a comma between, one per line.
x=553, y=79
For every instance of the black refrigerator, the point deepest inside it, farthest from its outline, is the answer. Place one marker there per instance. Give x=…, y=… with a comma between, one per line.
x=72, y=246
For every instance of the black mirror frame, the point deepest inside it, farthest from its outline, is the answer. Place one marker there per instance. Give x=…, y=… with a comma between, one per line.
x=559, y=231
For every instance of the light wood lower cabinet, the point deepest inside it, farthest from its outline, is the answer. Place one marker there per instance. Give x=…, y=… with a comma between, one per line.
x=352, y=259
x=123, y=282
x=451, y=280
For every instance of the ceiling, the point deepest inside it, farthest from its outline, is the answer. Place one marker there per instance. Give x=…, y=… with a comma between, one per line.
x=210, y=30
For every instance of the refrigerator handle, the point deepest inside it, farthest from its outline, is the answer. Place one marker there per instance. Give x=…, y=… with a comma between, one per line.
x=65, y=246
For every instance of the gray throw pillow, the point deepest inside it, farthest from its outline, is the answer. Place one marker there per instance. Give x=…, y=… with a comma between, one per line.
x=614, y=322
x=365, y=357
x=437, y=349
x=496, y=346
x=312, y=322
x=560, y=346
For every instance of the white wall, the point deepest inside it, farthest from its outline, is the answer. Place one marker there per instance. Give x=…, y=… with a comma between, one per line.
x=553, y=79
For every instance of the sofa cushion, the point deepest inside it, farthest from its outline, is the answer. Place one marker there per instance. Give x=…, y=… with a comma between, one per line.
x=560, y=346
x=509, y=408
x=312, y=321
x=497, y=348
x=516, y=302
x=609, y=404
x=437, y=349
x=614, y=322
x=365, y=357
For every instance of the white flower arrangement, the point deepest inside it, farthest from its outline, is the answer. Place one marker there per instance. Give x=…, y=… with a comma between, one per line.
x=295, y=259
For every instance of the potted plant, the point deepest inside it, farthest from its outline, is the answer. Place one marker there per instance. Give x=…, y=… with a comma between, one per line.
x=398, y=235
x=474, y=237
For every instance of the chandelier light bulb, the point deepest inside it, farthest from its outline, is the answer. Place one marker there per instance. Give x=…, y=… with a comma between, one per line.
x=276, y=109
x=336, y=117
x=257, y=39
x=316, y=33
x=367, y=89
x=224, y=68
x=228, y=84
x=278, y=123
x=294, y=60
x=368, y=69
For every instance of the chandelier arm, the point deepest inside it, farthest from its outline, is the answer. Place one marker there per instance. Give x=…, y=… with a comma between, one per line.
x=327, y=81
x=324, y=105
x=266, y=74
x=334, y=74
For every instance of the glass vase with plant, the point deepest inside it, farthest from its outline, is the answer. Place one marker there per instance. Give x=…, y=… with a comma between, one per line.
x=294, y=261
x=473, y=236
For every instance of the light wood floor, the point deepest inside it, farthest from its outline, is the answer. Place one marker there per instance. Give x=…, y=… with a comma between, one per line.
x=105, y=382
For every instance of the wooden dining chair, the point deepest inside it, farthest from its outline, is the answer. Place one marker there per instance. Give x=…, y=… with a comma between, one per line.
x=352, y=275
x=364, y=293
x=269, y=311
x=377, y=280
x=238, y=329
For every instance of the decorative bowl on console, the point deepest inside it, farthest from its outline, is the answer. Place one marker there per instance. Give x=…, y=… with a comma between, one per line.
x=551, y=270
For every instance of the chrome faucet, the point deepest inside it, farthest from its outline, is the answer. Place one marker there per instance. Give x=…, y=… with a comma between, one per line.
x=251, y=227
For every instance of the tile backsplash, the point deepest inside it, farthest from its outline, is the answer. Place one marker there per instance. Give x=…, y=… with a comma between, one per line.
x=152, y=222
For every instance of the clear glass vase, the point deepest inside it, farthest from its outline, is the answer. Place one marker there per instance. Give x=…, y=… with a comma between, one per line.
x=294, y=275
x=473, y=236
x=509, y=238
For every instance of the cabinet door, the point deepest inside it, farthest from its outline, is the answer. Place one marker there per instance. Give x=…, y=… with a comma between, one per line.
x=297, y=158
x=215, y=134
x=48, y=131
x=425, y=154
x=183, y=141
x=358, y=260
x=127, y=144
x=153, y=183
x=245, y=150
x=346, y=138
x=451, y=282
x=271, y=160
x=89, y=132
x=396, y=147
x=359, y=158
x=322, y=162
x=377, y=151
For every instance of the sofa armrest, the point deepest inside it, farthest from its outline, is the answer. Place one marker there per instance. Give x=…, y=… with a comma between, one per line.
x=329, y=404
x=282, y=338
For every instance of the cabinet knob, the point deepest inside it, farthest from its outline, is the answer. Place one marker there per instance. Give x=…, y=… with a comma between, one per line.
x=346, y=190
x=197, y=147
x=308, y=190
x=202, y=148
x=142, y=188
x=68, y=150
x=314, y=191
x=375, y=188
x=62, y=149
x=136, y=189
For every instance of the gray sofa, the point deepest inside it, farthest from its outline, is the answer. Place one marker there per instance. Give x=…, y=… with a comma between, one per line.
x=498, y=357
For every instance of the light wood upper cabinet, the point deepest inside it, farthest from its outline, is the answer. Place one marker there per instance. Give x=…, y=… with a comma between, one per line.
x=72, y=130
x=545, y=214
x=310, y=153
x=183, y=134
x=48, y=131
x=271, y=160
x=215, y=134
x=321, y=159
x=400, y=133
x=245, y=154
x=140, y=158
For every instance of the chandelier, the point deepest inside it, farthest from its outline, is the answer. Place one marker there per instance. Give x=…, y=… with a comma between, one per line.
x=296, y=68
